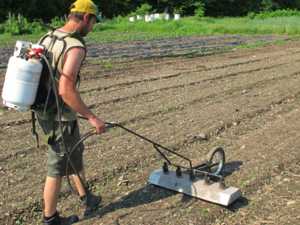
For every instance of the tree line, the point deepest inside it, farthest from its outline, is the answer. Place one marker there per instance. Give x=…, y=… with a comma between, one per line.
x=49, y=9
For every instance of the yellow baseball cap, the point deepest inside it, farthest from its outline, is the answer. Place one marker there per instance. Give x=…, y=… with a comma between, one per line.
x=86, y=6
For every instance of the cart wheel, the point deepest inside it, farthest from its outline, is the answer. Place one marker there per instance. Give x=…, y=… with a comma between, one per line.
x=216, y=155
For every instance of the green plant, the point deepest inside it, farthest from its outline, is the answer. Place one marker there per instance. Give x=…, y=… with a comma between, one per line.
x=179, y=10
x=208, y=20
x=244, y=184
x=58, y=22
x=119, y=19
x=144, y=9
x=2, y=28
x=273, y=14
x=199, y=11
x=132, y=14
x=109, y=65
x=251, y=15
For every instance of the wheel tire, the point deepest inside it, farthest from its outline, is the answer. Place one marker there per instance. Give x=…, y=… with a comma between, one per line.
x=217, y=154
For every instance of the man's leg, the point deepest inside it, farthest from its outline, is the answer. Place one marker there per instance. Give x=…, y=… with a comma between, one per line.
x=51, y=194
x=91, y=201
x=80, y=188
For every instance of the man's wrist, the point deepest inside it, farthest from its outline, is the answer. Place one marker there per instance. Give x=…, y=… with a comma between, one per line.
x=91, y=116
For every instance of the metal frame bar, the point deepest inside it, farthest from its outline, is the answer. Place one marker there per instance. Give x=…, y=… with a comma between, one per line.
x=190, y=170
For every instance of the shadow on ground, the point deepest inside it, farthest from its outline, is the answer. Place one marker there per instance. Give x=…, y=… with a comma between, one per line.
x=145, y=195
x=151, y=193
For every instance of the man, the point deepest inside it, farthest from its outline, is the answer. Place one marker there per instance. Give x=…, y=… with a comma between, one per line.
x=83, y=15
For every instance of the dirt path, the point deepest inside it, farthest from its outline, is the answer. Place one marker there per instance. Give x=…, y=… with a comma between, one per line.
x=246, y=102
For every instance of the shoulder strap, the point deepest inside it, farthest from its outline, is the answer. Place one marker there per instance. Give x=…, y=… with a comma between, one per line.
x=33, y=131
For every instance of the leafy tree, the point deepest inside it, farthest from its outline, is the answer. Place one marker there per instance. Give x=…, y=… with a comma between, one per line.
x=177, y=6
x=269, y=5
x=199, y=11
x=144, y=9
x=33, y=9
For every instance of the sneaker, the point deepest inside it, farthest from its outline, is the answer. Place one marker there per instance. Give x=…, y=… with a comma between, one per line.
x=92, y=202
x=57, y=220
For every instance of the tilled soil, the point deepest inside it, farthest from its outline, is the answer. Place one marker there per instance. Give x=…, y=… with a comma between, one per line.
x=245, y=101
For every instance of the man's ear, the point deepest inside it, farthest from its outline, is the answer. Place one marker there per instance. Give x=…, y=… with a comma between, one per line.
x=86, y=16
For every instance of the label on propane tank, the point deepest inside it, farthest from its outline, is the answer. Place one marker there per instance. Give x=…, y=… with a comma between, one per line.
x=27, y=76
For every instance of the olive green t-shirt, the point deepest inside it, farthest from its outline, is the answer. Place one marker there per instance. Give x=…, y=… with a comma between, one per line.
x=54, y=50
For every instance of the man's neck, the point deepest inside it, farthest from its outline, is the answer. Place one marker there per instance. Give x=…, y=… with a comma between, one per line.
x=70, y=26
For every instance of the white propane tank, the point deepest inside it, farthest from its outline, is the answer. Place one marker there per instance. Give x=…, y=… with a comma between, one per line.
x=21, y=82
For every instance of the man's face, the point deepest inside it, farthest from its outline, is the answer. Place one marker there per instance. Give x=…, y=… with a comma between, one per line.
x=87, y=26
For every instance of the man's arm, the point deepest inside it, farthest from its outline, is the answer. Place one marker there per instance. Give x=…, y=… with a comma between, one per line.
x=67, y=87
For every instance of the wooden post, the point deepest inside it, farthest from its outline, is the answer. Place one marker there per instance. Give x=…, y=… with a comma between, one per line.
x=20, y=19
x=10, y=22
x=66, y=19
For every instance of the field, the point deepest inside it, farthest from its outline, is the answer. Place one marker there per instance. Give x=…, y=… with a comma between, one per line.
x=245, y=100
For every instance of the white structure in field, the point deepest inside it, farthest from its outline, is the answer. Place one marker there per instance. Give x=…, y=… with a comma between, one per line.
x=149, y=17
x=157, y=16
x=176, y=16
x=167, y=16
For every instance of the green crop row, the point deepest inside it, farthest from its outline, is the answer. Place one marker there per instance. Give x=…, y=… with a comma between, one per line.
x=274, y=14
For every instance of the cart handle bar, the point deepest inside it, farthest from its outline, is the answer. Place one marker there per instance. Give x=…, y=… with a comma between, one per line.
x=156, y=145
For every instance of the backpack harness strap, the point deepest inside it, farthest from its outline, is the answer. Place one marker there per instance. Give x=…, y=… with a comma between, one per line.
x=33, y=131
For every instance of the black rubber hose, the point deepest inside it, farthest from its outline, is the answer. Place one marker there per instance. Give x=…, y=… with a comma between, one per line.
x=75, y=146
x=67, y=167
x=61, y=130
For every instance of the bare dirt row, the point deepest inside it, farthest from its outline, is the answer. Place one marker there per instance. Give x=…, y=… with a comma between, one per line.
x=245, y=101
x=170, y=46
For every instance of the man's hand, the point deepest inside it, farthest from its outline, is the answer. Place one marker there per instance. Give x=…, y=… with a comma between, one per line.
x=98, y=124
